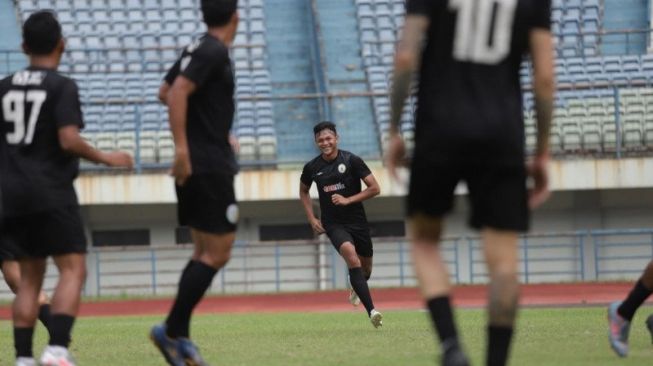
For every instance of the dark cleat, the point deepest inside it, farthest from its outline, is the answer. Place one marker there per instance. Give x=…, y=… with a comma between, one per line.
x=453, y=355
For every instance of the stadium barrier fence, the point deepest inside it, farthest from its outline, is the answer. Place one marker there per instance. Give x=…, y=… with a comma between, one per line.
x=269, y=267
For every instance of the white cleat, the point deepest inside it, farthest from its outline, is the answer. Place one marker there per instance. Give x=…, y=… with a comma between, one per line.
x=25, y=361
x=353, y=298
x=376, y=318
x=56, y=356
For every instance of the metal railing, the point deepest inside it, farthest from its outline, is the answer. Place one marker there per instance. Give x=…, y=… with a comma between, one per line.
x=255, y=267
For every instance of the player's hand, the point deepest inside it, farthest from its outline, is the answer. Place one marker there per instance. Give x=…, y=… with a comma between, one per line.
x=340, y=200
x=316, y=224
x=118, y=159
x=538, y=171
x=395, y=155
x=181, y=168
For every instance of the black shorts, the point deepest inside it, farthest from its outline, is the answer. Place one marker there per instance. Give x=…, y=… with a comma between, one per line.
x=357, y=234
x=40, y=235
x=498, y=195
x=207, y=202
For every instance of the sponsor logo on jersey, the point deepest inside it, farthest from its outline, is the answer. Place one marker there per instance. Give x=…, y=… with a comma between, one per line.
x=342, y=168
x=319, y=173
x=333, y=187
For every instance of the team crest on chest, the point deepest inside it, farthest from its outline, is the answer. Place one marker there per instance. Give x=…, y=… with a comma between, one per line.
x=342, y=168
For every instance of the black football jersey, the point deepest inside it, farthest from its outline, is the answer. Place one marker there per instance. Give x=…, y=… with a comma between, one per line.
x=469, y=97
x=211, y=107
x=342, y=176
x=37, y=175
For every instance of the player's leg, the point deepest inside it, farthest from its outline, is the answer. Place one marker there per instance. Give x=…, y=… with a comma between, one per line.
x=212, y=253
x=433, y=278
x=500, y=249
x=620, y=314
x=64, y=307
x=431, y=194
x=366, y=265
x=11, y=273
x=25, y=305
x=499, y=200
x=357, y=279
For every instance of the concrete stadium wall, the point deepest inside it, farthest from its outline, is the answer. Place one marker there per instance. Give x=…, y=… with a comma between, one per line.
x=314, y=266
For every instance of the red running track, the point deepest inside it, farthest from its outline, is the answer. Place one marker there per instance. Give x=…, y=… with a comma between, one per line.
x=561, y=295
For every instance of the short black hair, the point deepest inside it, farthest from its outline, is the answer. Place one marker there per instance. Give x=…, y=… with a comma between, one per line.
x=41, y=33
x=326, y=125
x=217, y=13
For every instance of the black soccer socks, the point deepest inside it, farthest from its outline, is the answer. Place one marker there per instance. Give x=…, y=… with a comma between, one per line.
x=498, y=345
x=195, y=280
x=442, y=318
x=23, y=341
x=44, y=314
x=359, y=284
x=60, y=327
x=635, y=299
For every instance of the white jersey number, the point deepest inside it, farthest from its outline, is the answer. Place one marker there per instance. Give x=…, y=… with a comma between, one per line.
x=483, y=30
x=13, y=109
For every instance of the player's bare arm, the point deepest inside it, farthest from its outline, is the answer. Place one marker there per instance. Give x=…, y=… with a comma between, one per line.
x=372, y=190
x=407, y=58
x=307, y=203
x=163, y=92
x=73, y=143
x=541, y=49
x=177, y=108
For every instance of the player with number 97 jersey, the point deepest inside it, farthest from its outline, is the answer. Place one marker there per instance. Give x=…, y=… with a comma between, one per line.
x=37, y=174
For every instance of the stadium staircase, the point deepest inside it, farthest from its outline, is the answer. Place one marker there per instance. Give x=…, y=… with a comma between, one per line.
x=626, y=15
x=342, y=49
x=289, y=44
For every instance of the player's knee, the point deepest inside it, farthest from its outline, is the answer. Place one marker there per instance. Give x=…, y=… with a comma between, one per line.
x=348, y=253
x=216, y=260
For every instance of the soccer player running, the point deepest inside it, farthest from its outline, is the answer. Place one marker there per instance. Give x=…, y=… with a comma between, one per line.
x=199, y=93
x=40, y=148
x=621, y=313
x=469, y=128
x=338, y=176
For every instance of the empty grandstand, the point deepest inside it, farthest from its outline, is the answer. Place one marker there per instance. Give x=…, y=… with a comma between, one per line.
x=297, y=62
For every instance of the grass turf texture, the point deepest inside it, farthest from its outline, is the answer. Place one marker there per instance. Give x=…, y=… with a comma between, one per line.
x=568, y=337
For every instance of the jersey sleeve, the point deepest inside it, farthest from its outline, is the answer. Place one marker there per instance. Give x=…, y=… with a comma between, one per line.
x=359, y=168
x=172, y=73
x=68, y=109
x=542, y=16
x=307, y=175
x=418, y=7
x=199, y=65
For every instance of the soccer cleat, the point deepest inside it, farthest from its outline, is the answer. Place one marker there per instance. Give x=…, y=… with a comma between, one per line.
x=376, y=318
x=190, y=353
x=649, y=325
x=25, y=361
x=618, y=330
x=169, y=347
x=353, y=298
x=56, y=356
x=453, y=355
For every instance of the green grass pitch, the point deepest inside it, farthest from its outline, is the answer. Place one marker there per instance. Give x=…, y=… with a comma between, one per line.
x=559, y=337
